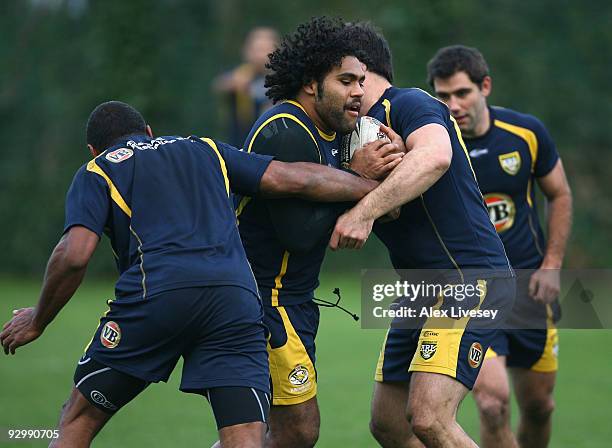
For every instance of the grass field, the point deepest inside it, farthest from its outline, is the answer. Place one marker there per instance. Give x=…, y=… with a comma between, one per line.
x=35, y=382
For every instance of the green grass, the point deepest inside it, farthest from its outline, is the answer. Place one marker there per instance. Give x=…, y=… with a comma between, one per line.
x=35, y=382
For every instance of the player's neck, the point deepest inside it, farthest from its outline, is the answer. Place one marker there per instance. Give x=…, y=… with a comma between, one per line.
x=307, y=104
x=484, y=124
x=374, y=87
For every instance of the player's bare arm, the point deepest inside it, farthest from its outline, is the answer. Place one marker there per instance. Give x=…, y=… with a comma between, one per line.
x=428, y=157
x=378, y=158
x=313, y=182
x=545, y=283
x=65, y=271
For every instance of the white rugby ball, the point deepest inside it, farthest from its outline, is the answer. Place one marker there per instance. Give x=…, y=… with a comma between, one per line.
x=367, y=130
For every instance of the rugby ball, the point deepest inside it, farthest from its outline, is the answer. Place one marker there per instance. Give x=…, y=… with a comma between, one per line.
x=367, y=130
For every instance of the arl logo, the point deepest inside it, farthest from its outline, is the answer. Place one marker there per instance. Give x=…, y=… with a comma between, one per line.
x=119, y=155
x=475, y=355
x=299, y=376
x=428, y=349
x=501, y=210
x=111, y=335
x=511, y=162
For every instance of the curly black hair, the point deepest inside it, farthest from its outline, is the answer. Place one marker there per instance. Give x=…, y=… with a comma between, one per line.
x=307, y=55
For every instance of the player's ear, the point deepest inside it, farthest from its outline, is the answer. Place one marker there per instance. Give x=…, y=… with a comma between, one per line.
x=149, y=131
x=486, y=86
x=311, y=88
x=94, y=152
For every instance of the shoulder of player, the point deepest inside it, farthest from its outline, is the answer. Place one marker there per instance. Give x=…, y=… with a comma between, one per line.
x=410, y=100
x=294, y=126
x=512, y=117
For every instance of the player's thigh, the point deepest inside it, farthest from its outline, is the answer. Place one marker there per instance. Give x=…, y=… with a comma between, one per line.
x=235, y=406
x=104, y=387
x=434, y=396
x=80, y=415
x=291, y=349
x=492, y=386
x=388, y=409
x=227, y=345
x=297, y=416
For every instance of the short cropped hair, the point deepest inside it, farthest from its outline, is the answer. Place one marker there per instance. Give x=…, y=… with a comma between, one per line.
x=112, y=120
x=457, y=58
x=376, y=52
x=307, y=55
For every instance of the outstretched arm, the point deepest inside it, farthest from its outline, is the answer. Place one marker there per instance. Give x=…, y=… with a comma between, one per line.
x=427, y=159
x=313, y=182
x=65, y=271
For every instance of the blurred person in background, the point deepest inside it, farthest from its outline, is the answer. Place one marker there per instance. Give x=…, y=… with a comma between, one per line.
x=243, y=87
x=510, y=152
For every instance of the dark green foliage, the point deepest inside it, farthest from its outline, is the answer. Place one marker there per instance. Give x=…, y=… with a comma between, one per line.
x=548, y=57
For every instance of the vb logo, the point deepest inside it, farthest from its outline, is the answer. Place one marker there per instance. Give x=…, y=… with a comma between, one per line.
x=111, y=335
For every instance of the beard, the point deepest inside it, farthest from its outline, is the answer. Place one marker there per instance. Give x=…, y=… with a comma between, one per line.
x=332, y=111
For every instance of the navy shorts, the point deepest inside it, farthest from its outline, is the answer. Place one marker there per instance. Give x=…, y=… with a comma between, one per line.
x=456, y=350
x=531, y=340
x=218, y=331
x=291, y=347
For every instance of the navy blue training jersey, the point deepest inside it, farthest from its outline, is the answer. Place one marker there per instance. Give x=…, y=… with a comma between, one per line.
x=448, y=226
x=165, y=205
x=283, y=277
x=515, y=150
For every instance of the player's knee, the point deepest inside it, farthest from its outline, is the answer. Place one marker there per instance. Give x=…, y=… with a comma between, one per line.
x=380, y=429
x=538, y=410
x=306, y=434
x=493, y=406
x=425, y=422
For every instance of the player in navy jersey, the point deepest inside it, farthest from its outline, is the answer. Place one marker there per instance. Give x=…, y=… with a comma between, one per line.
x=425, y=372
x=185, y=288
x=510, y=153
x=315, y=80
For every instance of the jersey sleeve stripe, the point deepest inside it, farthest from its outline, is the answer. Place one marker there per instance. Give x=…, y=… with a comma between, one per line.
x=93, y=167
x=213, y=145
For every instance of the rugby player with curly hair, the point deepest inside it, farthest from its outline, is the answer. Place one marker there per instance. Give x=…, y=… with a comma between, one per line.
x=316, y=82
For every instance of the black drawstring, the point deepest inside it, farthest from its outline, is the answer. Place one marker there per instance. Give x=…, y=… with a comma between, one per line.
x=327, y=304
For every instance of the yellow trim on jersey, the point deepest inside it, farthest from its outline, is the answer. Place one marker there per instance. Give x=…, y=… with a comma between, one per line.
x=462, y=143
x=213, y=145
x=378, y=376
x=526, y=134
x=291, y=117
x=278, y=284
x=447, y=333
x=93, y=167
x=243, y=202
x=324, y=136
x=284, y=361
x=387, y=105
x=108, y=303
